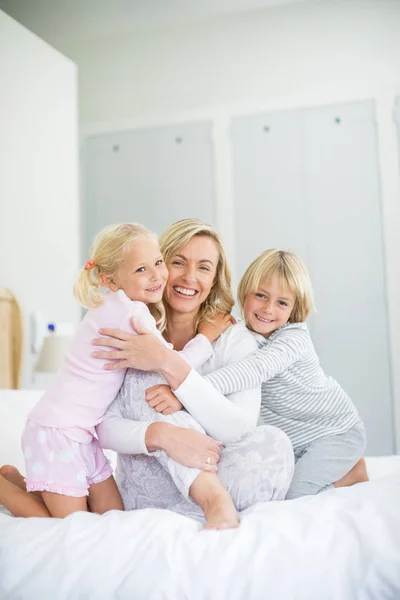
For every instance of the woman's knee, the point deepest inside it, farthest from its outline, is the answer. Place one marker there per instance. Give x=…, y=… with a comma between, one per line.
x=259, y=467
x=281, y=444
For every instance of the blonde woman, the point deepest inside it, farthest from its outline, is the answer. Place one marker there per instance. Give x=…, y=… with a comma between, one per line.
x=255, y=463
x=124, y=276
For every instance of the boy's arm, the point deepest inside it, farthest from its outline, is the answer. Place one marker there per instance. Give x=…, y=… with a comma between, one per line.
x=264, y=364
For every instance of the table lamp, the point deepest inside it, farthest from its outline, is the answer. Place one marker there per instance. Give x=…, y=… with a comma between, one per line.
x=52, y=353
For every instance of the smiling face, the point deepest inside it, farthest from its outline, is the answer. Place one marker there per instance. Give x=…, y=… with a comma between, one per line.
x=142, y=273
x=192, y=272
x=268, y=307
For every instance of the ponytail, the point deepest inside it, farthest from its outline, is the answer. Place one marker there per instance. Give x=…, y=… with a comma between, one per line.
x=86, y=289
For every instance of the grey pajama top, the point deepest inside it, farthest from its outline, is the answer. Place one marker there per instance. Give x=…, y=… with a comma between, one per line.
x=297, y=396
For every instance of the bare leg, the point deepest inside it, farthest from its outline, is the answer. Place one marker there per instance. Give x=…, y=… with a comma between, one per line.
x=357, y=474
x=19, y=502
x=217, y=505
x=12, y=474
x=104, y=496
x=60, y=506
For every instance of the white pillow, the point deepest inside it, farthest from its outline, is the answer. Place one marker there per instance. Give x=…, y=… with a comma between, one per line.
x=14, y=408
x=382, y=466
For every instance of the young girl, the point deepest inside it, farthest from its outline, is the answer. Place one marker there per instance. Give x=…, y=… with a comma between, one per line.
x=63, y=458
x=326, y=432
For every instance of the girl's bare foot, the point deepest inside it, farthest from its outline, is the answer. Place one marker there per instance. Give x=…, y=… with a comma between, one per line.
x=13, y=475
x=357, y=474
x=220, y=512
x=16, y=499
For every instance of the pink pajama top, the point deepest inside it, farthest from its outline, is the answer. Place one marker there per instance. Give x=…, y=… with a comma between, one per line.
x=83, y=389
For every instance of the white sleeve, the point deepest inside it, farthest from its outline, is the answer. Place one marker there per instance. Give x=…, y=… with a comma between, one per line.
x=141, y=313
x=224, y=418
x=122, y=435
x=143, y=316
x=273, y=359
x=197, y=351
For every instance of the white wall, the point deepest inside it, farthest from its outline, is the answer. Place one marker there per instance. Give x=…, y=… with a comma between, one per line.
x=302, y=55
x=39, y=212
x=306, y=52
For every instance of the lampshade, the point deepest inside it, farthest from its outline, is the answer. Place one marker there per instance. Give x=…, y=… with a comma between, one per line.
x=52, y=354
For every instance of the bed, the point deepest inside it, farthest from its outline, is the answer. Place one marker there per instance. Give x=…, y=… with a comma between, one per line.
x=340, y=545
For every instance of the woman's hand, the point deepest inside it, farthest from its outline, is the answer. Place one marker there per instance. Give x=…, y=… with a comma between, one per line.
x=187, y=446
x=213, y=329
x=144, y=352
x=163, y=400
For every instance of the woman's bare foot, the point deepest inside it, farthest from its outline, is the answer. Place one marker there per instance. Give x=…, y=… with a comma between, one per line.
x=220, y=513
x=217, y=505
x=357, y=474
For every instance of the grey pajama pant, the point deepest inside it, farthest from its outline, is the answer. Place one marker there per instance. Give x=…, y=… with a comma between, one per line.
x=323, y=462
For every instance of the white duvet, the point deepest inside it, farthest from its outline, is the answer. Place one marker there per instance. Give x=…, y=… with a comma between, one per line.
x=343, y=544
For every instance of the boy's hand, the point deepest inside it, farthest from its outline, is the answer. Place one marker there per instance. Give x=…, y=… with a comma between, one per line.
x=163, y=400
x=220, y=323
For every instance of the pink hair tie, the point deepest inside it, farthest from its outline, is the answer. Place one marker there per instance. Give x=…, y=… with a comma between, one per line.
x=89, y=265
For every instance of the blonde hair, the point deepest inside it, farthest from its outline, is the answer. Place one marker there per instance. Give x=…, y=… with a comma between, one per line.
x=105, y=257
x=292, y=275
x=174, y=238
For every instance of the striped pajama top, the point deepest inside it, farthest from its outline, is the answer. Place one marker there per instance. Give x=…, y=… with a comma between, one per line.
x=297, y=396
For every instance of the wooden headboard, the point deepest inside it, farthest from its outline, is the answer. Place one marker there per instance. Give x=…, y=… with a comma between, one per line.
x=11, y=340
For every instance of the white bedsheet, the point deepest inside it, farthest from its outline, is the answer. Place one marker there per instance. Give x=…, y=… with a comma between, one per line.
x=341, y=545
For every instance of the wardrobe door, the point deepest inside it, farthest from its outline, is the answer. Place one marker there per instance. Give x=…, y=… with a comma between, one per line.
x=346, y=262
x=308, y=180
x=268, y=185
x=151, y=176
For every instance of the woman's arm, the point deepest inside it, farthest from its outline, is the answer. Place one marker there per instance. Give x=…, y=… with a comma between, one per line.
x=123, y=435
x=186, y=446
x=226, y=419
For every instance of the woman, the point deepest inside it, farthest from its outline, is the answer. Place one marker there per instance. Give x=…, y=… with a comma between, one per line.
x=256, y=464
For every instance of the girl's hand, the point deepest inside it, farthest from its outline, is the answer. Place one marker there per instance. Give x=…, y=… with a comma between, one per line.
x=163, y=400
x=189, y=447
x=220, y=323
x=144, y=351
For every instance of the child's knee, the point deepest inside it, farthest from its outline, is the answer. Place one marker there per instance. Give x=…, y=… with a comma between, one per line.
x=302, y=487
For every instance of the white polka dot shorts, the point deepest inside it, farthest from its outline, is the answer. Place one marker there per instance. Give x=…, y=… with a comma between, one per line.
x=56, y=463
